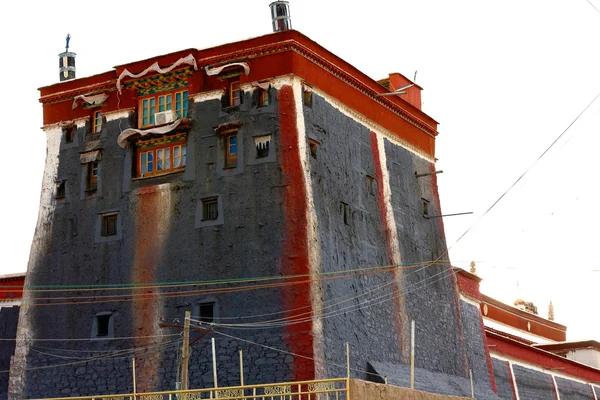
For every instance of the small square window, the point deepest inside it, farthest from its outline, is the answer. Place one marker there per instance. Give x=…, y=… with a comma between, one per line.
x=210, y=209
x=103, y=326
x=92, y=175
x=102, y=322
x=60, y=189
x=69, y=134
x=313, y=145
x=206, y=312
x=97, y=122
x=109, y=225
x=262, y=144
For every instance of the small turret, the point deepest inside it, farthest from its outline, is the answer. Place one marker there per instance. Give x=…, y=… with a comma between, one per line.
x=551, y=311
x=66, y=63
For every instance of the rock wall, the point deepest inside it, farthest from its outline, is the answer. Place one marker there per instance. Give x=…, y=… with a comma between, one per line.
x=9, y=318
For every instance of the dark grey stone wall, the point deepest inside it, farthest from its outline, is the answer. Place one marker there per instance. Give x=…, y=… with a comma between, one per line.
x=533, y=385
x=503, y=381
x=247, y=244
x=597, y=391
x=9, y=318
x=473, y=336
x=571, y=390
x=429, y=291
x=339, y=175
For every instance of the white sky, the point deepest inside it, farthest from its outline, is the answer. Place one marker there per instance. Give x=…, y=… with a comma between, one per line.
x=503, y=78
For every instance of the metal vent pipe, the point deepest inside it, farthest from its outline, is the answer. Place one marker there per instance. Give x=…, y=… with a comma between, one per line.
x=280, y=14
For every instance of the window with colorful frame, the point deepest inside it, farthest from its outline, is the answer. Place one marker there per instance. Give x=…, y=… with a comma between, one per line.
x=231, y=148
x=161, y=156
x=158, y=102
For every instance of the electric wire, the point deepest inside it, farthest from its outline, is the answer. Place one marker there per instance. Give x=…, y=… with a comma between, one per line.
x=116, y=353
x=85, y=339
x=102, y=357
x=595, y=8
x=153, y=285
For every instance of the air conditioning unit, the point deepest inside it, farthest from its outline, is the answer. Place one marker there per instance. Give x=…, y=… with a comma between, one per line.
x=165, y=117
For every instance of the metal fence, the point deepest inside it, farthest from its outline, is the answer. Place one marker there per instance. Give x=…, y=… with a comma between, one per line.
x=324, y=389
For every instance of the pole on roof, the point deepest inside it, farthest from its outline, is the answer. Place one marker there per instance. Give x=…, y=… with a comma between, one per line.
x=241, y=368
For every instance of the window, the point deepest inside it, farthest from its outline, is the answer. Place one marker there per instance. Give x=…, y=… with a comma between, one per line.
x=370, y=185
x=345, y=213
x=206, y=312
x=103, y=325
x=263, y=98
x=235, y=94
x=150, y=105
x=60, y=189
x=92, y=175
x=210, y=209
x=69, y=134
x=307, y=97
x=313, y=145
x=159, y=157
x=231, y=149
x=109, y=225
x=262, y=144
x=97, y=122
x=425, y=208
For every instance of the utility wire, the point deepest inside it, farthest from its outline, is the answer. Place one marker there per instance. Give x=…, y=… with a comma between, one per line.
x=85, y=339
x=152, y=285
x=593, y=6
x=526, y=171
x=103, y=357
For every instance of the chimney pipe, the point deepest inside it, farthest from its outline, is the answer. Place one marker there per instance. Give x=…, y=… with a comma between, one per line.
x=66, y=63
x=280, y=14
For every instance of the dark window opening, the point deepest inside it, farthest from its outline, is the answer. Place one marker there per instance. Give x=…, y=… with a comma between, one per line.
x=425, y=208
x=263, y=98
x=210, y=209
x=370, y=185
x=262, y=144
x=109, y=225
x=69, y=134
x=345, y=213
x=102, y=322
x=307, y=98
x=313, y=145
x=60, y=189
x=207, y=312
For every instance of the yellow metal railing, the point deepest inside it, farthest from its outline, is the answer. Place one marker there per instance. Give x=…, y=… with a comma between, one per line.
x=324, y=389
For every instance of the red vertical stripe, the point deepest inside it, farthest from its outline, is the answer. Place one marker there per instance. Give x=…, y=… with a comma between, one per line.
x=295, y=254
